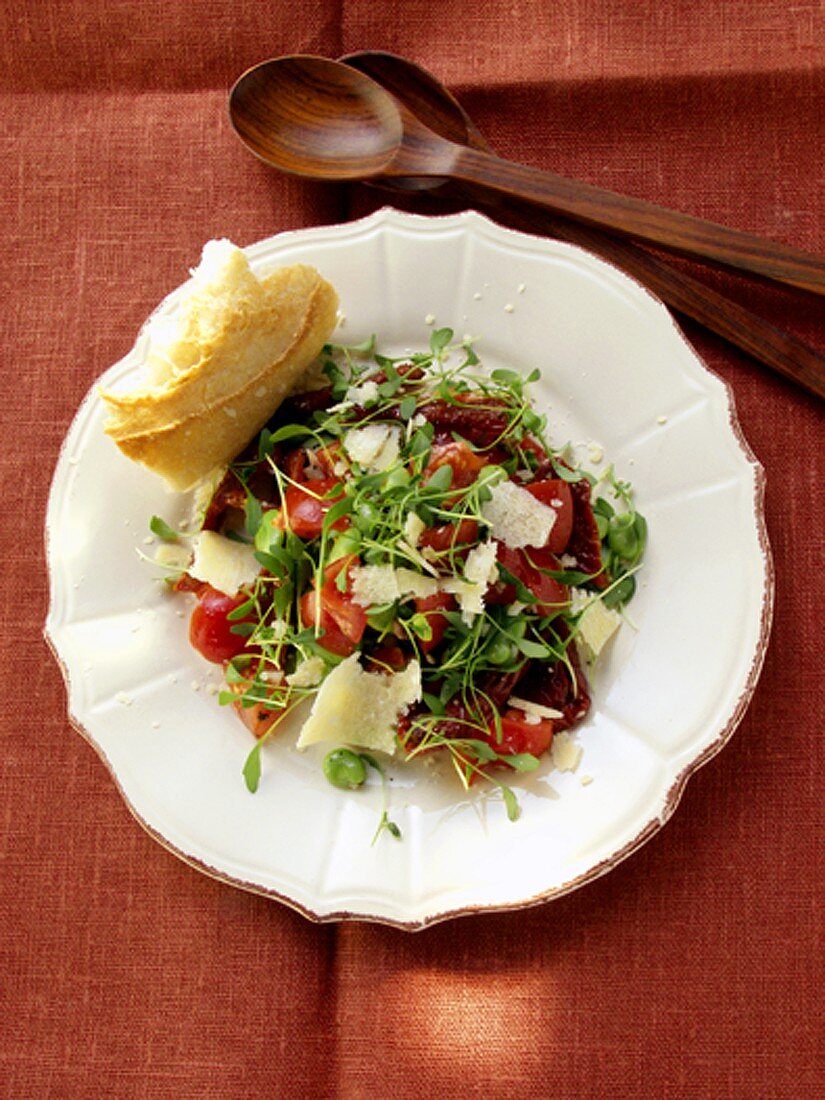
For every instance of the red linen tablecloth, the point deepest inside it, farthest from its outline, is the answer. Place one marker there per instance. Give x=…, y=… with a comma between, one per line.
x=692, y=970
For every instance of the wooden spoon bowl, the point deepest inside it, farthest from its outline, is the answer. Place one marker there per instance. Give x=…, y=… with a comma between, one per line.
x=311, y=117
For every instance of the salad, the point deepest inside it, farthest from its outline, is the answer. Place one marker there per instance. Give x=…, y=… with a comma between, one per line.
x=402, y=545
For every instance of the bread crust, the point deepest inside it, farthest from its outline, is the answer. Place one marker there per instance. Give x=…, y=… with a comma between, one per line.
x=237, y=354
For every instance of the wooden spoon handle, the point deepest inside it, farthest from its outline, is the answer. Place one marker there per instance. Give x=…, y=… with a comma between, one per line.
x=642, y=220
x=779, y=350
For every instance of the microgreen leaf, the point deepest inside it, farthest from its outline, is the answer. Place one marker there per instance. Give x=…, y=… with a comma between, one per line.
x=508, y=378
x=420, y=626
x=421, y=440
x=439, y=339
x=288, y=431
x=433, y=703
x=442, y=479
x=254, y=514
x=566, y=474
x=252, y=768
x=339, y=509
x=239, y=612
x=481, y=749
x=265, y=444
x=361, y=351
x=162, y=529
x=511, y=802
x=521, y=761
x=242, y=629
x=532, y=649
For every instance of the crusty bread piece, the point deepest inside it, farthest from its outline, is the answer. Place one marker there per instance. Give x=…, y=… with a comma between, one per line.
x=218, y=369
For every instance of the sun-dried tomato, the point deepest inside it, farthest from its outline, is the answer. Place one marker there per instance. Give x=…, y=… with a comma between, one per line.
x=553, y=687
x=481, y=425
x=230, y=493
x=584, y=544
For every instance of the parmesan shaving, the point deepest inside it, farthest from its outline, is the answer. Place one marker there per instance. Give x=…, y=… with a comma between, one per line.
x=517, y=518
x=359, y=708
x=223, y=563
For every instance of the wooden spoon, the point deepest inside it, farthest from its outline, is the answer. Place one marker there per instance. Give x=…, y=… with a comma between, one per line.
x=310, y=116
x=431, y=102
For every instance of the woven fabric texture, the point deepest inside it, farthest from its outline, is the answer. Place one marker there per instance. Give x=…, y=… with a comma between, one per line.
x=693, y=969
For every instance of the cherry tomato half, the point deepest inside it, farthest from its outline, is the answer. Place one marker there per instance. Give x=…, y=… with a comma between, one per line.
x=210, y=631
x=305, y=506
x=519, y=735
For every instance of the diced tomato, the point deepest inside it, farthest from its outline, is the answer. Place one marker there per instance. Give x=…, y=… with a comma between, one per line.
x=556, y=494
x=210, y=630
x=305, y=506
x=526, y=565
x=449, y=535
x=342, y=620
x=465, y=463
x=519, y=735
x=431, y=607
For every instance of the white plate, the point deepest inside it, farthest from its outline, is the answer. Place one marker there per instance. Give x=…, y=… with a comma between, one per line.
x=616, y=370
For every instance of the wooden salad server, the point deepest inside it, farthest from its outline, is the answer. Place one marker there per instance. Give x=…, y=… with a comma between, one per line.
x=310, y=116
x=431, y=102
